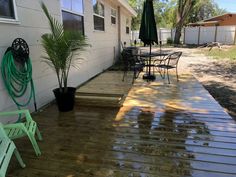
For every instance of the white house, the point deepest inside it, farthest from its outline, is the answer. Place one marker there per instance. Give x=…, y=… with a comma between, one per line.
x=106, y=25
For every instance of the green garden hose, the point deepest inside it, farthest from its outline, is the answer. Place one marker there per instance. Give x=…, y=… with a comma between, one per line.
x=17, y=78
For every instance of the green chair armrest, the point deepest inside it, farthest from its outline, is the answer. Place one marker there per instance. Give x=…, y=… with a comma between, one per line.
x=25, y=111
x=17, y=125
x=9, y=113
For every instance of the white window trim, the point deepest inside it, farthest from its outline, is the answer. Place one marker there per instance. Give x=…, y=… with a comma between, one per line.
x=104, y=23
x=10, y=20
x=98, y=14
x=115, y=11
x=72, y=12
x=114, y=16
x=94, y=14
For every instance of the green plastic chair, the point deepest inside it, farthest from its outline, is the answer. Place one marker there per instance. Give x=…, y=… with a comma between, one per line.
x=24, y=128
x=7, y=148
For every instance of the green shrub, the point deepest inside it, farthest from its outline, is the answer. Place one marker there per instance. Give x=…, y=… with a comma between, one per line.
x=169, y=41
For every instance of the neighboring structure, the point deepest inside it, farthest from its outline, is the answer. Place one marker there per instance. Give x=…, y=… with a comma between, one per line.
x=228, y=19
x=106, y=23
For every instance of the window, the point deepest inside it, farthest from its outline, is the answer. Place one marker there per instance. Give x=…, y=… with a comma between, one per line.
x=72, y=14
x=127, y=26
x=113, y=16
x=98, y=16
x=7, y=8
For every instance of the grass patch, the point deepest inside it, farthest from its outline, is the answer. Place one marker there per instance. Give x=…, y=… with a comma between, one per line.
x=225, y=53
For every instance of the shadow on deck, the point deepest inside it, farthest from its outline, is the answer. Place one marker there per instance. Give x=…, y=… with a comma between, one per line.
x=162, y=130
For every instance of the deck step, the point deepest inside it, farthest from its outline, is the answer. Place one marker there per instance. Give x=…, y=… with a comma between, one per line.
x=99, y=99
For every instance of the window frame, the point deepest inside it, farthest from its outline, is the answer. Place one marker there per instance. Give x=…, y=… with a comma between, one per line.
x=112, y=16
x=100, y=16
x=127, y=26
x=75, y=13
x=13, y=20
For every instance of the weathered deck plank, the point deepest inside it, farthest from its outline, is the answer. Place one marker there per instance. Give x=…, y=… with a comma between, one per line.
x=162, y=130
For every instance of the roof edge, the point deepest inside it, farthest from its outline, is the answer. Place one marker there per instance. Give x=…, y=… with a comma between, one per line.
x=128, y=7
x=203, y=22
x=209, y=19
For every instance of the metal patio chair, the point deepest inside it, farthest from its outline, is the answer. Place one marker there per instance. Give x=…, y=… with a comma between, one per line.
x=169, y=62
x=7, y=148
x=131, y=62
x=23, y=128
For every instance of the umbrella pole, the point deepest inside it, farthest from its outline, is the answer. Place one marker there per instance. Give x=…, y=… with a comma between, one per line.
x=150, y=58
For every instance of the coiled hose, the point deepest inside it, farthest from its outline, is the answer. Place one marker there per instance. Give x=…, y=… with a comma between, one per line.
x=17, y=77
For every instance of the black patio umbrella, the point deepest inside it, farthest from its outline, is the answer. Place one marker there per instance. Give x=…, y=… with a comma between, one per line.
x=148, y=31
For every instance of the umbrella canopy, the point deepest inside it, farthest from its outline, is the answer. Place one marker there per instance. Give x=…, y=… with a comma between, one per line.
x=148, y=29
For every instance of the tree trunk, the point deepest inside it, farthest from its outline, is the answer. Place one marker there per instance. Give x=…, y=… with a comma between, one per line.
x=178, y=27
x=184, y=8
x=178, y=33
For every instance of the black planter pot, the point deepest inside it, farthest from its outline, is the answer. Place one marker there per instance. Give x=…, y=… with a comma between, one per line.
x=65, y=101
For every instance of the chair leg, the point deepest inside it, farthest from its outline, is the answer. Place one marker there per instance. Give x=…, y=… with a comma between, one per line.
x=35, y=144
x=18, y=157
x=39, y=134
x=164, y=76
x=177, y=76
x=125, y=73
x=134, y=76
x=168, y=76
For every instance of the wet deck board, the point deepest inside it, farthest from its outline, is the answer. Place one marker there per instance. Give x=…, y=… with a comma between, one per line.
x=163, y=130
x=106, y=90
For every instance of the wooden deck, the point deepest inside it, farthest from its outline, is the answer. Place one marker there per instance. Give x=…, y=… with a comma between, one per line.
x=106, y=90
x=175, y=130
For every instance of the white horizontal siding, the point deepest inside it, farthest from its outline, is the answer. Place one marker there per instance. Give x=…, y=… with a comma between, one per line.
x=124, y=36
x=33, y=24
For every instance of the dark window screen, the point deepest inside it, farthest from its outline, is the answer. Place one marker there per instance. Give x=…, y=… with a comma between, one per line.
x=127, y=30
x=98, y=23
x=6, y=9
x=72, y=21
x=113, y=20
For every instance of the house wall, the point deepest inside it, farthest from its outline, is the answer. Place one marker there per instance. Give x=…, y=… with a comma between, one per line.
x=231, y=21
x=223, y=21
x=124, y=36
x=33, y=24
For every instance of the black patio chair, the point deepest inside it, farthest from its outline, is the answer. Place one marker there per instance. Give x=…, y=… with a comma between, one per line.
x=169, y=62
x=131, y=62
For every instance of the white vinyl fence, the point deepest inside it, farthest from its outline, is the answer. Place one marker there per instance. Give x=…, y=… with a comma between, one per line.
x=197, y=35
x=163, y=35
x=202, y=35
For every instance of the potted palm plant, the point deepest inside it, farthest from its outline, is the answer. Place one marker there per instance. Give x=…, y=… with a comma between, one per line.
x=62, y=48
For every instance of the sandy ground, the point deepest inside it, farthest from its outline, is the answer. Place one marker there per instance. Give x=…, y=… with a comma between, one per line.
x=217, y=76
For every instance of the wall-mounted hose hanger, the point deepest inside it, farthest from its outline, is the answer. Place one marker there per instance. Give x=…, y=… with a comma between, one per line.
x=16, y=71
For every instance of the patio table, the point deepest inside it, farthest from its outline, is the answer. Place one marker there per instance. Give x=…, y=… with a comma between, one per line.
x=149, y=63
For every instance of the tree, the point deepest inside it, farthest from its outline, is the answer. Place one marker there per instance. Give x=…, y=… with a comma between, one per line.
x=160, y=7
x=184, y=7
x=204, y=9
x=137, y=6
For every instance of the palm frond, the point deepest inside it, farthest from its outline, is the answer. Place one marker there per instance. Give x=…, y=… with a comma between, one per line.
x=63, y=48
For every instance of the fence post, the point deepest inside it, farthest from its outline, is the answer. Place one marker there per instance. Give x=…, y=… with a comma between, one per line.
x=171, y=33
x=235, y=36
x=216, y=30
x=199, y=35
x=184, y=35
